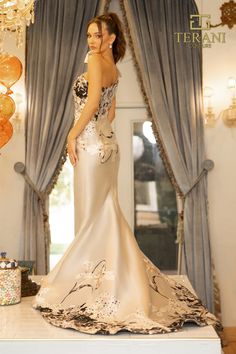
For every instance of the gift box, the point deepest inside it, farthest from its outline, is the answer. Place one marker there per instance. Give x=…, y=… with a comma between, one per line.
x=10, y=281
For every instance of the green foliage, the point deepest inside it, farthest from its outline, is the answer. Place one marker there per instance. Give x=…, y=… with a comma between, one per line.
x=58, y=248
x=61, y=193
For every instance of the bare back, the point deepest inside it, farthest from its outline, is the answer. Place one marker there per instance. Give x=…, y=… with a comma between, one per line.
x=109, y=72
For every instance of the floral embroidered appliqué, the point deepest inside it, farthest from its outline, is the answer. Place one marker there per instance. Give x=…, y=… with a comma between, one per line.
x=97, y=138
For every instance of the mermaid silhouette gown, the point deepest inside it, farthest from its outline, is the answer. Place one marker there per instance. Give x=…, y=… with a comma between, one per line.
x=104, y=283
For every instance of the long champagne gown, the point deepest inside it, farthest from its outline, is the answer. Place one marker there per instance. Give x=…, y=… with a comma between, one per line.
x=104, y=283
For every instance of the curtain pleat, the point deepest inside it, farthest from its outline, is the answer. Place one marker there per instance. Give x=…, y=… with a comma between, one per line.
x=56, y=45
x=170, y=75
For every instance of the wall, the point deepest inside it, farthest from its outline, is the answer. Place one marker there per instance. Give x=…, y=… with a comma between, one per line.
x=218, y=65
x=11, y=183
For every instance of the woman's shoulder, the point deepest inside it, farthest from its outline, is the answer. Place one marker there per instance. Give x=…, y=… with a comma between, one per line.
x=92, y=56
x=97, y=57
x=95, y=64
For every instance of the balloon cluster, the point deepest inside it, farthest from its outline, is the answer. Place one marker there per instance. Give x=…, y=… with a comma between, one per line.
x=10, y=72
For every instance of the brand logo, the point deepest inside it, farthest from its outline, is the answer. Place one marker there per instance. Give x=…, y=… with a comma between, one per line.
x=196, y=37
x=196, y=22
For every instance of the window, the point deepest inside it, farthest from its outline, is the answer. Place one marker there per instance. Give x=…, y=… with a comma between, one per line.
x=61, y=213
x=155, y=206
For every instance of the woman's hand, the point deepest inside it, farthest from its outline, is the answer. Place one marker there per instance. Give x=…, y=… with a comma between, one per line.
x=71, y=149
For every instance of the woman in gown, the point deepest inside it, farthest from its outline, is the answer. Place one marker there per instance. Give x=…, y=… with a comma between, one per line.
x=104, y=283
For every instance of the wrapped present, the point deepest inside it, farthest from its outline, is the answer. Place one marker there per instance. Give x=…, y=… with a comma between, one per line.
x=10, y=281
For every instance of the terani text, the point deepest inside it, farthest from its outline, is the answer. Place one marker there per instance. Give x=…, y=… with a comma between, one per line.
x=193, y=37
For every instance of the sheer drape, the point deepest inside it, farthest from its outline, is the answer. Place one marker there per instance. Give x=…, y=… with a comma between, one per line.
x=56, y=47
x=172, y=79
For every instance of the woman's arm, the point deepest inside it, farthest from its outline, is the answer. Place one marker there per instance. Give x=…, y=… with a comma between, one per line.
x=90, y=107
x=94, y=94
x=112, y=110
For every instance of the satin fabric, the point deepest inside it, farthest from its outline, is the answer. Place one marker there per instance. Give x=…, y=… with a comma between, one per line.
x=104, y=283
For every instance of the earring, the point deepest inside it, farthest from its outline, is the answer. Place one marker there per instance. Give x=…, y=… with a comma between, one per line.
x=110, y=45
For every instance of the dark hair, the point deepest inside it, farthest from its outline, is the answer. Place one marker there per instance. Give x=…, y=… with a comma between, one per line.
x=115, y=26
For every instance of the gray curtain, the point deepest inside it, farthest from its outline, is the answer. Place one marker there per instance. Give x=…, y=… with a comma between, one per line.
x=172, y=80
x=55, y=49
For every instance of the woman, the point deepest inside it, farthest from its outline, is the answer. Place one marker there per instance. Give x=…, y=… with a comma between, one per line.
x=104, y=283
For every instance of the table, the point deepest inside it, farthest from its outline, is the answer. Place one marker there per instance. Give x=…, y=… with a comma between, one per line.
x=23, y=330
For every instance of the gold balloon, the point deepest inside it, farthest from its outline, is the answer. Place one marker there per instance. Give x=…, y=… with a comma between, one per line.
x=7, y=106
x=6, y=131
x=10, y=70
